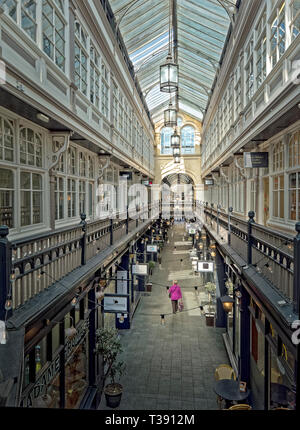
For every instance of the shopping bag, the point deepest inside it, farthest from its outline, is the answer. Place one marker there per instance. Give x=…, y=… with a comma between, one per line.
x=181, y=306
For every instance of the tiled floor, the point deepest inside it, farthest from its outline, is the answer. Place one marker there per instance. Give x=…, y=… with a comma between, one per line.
x=171, y=366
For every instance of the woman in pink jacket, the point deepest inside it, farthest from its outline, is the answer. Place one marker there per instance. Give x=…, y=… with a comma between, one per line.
x=175, y=295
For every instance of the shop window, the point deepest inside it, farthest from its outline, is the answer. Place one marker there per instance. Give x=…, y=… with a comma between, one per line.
x=257, y=344
x=294, y=196
x=82, y=197
x=55, y=338
x=30, y=148
x=76, y=376
x=278, y=157
x=59, y=198
x=40, y=355
x=278, y=196
x=7, y=197
x=26, y=374
x=31, y=198
x=71, y=198
x=294, y=150
x=6, y=140
x=281, y=389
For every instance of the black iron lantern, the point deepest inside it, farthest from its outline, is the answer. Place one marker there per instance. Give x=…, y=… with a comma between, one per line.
x=169, y=76
x=176, y=151
x=170, y=116
x=227, y=303
x=175, y=140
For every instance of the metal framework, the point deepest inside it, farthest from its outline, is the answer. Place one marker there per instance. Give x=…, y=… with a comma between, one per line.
x=200, y=28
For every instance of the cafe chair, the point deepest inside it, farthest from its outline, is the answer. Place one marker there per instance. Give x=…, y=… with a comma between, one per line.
x=240, y=407
x=224, y=371
x=281, y=409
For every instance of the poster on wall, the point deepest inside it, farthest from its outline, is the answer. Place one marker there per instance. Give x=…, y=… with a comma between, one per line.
x=114, y=303
x=122, y=277
x=205, y=266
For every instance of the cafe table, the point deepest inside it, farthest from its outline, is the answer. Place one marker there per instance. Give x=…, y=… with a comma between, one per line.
x=229, y=390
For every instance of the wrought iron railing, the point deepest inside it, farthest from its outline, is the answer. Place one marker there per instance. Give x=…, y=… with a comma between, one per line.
x=41, y=260
x=269, y=251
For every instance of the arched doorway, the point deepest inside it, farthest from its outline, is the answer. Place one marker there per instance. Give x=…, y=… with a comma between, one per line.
x=179, y=194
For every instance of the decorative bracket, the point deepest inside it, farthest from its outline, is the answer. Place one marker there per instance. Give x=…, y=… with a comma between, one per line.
x=224, y=173
x=230, y=8
x=104, y=166
x=63, y=141
x=241, y=169
x=216, y=178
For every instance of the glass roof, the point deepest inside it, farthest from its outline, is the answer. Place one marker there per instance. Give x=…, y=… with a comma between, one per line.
x=201, y=27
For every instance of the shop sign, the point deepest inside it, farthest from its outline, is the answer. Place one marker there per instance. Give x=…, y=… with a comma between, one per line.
x=53, y=369
x=140, y=269
x=205, y=266
x=208, y=181
x=151, y=248
x=256, y=159
x=115, y=303
x=192, y=231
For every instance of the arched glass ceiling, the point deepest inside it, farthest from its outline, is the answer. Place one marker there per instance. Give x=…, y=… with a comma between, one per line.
x=201, y=27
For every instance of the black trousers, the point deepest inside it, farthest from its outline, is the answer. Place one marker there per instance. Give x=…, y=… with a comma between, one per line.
x=175, y=306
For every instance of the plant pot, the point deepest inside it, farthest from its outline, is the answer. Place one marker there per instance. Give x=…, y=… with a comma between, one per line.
x=113, y=394
x=149, y=287
x=210, y=320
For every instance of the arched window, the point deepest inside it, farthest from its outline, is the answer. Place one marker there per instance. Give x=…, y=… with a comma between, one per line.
x=165, y=140
x=179, y=121
x=187, y=140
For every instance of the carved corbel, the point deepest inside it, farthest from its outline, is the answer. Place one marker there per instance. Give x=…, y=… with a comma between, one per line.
x=224, y=171
x=230, y=8
x=241, y=168
x=104, y=163
x=216, y=178
x=63, y=138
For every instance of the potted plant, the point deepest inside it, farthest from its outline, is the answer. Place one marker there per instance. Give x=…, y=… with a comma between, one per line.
x=108, y=344
x=151, y=265
x=210, y=315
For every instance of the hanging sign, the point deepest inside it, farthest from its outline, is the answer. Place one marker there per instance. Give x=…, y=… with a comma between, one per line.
x=192, y=231
x=127, y=175
x=140, y=269
x=151, y=248
x=256, y=159
x=114, y=303
x=122, y=277
x=208, y=181
x=205, y=266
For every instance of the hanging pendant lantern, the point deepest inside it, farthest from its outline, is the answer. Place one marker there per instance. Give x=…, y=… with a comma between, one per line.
x=175, y=140
x=170, y=116
x=176, y=152
x=169, y=76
